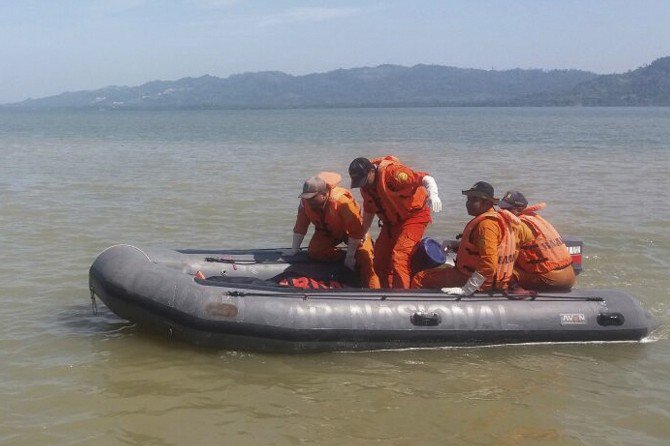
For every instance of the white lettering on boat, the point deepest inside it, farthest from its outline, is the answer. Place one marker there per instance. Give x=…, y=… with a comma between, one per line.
x=385, y=316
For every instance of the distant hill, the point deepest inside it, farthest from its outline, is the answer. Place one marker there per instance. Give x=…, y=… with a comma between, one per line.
x=647, y=85
x=382, y=86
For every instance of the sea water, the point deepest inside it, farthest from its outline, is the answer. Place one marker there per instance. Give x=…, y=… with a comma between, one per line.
x=73, y=183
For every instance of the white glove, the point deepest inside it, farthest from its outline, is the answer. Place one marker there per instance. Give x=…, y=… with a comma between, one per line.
x=297, y=240
x=474, y=282
x=455, y=291
x=352, y=246
x=433, y=199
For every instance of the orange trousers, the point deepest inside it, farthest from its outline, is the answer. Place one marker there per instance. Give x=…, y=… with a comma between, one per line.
x=439, y=277
x=324, y=248
x=393, y=251
x=556, y=280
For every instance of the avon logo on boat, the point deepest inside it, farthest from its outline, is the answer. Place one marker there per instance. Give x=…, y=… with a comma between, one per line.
x=573, y=319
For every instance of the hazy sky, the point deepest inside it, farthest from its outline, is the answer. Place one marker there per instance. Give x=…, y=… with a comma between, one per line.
x=51, y=46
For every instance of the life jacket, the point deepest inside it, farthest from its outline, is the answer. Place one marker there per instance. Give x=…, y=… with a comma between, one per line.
x=310, y=283
x=328, y=219
x=396, y=207
x=547, y=252
x=468, y=256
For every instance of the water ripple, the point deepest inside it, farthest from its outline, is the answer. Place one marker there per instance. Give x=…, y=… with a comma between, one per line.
x=72, y=184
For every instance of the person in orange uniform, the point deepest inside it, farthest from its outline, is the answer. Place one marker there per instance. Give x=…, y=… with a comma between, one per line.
x=544, y=263
x=336, y=217
x=402, y=200
x=486, y=253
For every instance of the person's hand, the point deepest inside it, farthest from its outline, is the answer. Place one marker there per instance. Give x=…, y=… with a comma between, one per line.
x=435, y=203
x=352, y=247
x=295, y=246
x=433, y=200
x=450, y=245
x=474, y=282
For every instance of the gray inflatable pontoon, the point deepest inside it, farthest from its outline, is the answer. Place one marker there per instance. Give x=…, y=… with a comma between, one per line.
x=240, y=306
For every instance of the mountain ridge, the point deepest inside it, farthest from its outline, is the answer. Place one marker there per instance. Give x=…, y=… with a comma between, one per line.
x=380, y=86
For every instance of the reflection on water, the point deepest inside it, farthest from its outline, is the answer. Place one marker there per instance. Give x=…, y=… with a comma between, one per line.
x=72, y=184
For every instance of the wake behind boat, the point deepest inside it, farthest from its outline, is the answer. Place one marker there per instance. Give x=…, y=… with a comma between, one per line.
x=233, y=299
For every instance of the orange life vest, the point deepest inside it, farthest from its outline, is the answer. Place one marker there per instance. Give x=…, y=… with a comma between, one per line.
x=467, y=258
x=548, y=251
x=396, y=207
x=328, y=219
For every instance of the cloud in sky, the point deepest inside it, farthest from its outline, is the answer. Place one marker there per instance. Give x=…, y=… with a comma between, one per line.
x=302, y=15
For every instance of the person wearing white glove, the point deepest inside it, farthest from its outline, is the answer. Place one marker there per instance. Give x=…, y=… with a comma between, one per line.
x=402, y=199
x=433, y=200
x=336, y=218
x=486, y=252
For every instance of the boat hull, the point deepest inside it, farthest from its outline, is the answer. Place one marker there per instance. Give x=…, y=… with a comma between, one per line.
x=156, y=289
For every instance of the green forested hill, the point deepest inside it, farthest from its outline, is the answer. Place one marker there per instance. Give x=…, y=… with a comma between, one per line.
x=648, y=85
x=383, y=86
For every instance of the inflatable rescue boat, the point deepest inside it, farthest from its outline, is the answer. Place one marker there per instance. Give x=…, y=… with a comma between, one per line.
x=268, y=300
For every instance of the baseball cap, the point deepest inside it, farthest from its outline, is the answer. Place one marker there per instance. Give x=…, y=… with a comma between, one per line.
x=513, y=199
x=313, y=186
x=358, y=171
x=481, y=189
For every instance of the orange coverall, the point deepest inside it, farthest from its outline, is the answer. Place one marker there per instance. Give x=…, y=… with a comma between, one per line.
x=399, y=236
x=487, y=236
x=335, y=227
x=561, y=279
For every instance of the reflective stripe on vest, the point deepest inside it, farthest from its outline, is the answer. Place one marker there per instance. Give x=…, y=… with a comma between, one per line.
x=548, y=251
x=468, y=256
x=395, y=206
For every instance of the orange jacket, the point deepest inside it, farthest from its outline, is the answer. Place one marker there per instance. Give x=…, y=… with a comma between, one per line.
x=523, y=234
x=547, y=251
x=397, y=193
x=340, y=217
x=489, y=247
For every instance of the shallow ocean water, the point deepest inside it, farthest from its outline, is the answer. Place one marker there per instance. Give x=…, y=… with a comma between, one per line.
x=73, y=183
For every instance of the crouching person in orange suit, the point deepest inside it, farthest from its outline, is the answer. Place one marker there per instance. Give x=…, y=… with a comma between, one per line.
x=337, y=219
x=544, y=262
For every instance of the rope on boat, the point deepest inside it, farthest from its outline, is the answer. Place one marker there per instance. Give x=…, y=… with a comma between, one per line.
x=250, y=262
x=586, y=298
x=417, y=296
x=229, y=260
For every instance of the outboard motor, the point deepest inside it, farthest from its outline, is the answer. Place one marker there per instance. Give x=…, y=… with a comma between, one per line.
x=575, y=247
